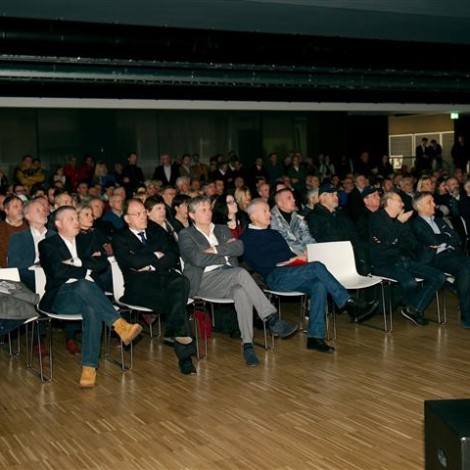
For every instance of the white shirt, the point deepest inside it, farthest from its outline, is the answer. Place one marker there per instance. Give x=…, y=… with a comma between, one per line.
x=213, y=242
x=75, y=260
x=430, y=221
x=37, y=237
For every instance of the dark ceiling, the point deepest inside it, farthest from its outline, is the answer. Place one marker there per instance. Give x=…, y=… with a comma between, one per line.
x=213, y=50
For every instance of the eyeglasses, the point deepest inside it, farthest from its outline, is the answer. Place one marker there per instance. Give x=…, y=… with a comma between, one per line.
x=136, y=214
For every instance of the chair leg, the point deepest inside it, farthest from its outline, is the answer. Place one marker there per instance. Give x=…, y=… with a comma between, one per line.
x=195, y=330
x=9, y=347
x=444, y=304
x=40, y=373
x=388, y=328
x=108, y=355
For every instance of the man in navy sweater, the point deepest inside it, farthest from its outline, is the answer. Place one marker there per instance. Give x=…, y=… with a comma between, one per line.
x=267, y=252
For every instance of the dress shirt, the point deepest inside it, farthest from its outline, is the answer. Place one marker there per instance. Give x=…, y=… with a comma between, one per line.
x=213, y=242
x=430, y=221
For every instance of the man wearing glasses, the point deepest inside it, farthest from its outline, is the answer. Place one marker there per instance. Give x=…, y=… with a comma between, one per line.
x=149, y=266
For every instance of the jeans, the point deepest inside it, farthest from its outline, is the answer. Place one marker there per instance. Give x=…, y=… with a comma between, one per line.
x=405, y=271
x=86, y=298
x=316, y=281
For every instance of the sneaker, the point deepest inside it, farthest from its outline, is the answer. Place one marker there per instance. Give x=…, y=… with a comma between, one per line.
x=250, y=356
x=282, y=328
x=414, y=316
x=359, y=310
x=319, y=344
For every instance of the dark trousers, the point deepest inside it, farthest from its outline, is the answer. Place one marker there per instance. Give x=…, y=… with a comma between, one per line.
x=163, y=292
x=405, y=271
x=459, y=266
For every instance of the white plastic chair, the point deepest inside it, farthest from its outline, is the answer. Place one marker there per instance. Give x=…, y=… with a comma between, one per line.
x=279, y=294
x=338, y=257
x=40, y=280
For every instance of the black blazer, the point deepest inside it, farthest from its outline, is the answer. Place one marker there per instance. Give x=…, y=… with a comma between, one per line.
x=53, y=252
x=159, y=174
x=427, y=238
x=132, y=255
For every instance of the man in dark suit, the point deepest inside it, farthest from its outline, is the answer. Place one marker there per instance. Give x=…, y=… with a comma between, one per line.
x=166, y=172
x=148, y=265
x=23, y=247
x=70, y=263
x=132, y=175
x=441, y=249
x=210, y=256
x=423, y=157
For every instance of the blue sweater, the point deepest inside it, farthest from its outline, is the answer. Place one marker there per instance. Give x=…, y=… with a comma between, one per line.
x=264, y=249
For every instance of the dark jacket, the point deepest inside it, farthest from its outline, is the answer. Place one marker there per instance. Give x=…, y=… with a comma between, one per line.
x=390, y=239
x=427, y=238
x=133, y=257
x=53, y=252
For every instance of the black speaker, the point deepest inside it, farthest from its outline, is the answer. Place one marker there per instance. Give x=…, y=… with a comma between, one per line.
x=447, y=434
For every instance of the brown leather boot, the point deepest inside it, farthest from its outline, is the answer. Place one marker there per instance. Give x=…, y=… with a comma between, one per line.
x=88, y=377
x=126, y=331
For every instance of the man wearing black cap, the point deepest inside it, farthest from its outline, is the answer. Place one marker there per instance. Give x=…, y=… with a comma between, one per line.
x=328, y=223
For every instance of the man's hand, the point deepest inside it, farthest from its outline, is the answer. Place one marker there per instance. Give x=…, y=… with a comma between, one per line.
x=404, y=216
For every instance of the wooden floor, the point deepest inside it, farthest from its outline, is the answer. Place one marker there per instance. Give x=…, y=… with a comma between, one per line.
x=359, y=408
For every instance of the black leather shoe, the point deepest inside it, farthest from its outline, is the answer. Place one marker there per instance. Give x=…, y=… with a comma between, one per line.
x=319, y=344
x=359, y=310
x=414, y=316
x=184, y=353
x=187, y=367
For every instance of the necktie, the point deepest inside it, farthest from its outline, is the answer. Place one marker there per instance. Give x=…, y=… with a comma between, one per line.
x=142, y=237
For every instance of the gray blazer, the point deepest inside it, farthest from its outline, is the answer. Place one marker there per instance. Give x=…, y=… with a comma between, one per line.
x=192, y=244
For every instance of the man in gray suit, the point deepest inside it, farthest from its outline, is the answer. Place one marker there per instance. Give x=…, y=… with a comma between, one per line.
x=210, y=256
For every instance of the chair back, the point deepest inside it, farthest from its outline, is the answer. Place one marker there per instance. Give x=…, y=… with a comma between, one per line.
x=118, y=279
x=338, y=257
x=9, y=274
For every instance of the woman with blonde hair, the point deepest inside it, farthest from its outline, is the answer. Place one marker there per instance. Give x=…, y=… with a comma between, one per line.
x=243, y=197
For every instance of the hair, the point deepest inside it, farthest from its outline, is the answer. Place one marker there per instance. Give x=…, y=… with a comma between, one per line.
x=252, y=205
x=9, y=199
x=239, y=193
x=198, y=200
x=162, y=190
x=28, y=204
x=60, y=210
x=180, y=199
x=153, y=201
x=220, y=210
x=126, y=204
x=421, y=181
x=277, y=194
x=57, y=195
x=81, y=206
x=418, y=197
x=180, y=180
x=386, y=197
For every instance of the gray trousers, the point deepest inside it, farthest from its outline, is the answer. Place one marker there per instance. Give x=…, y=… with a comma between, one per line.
x=237, y=284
